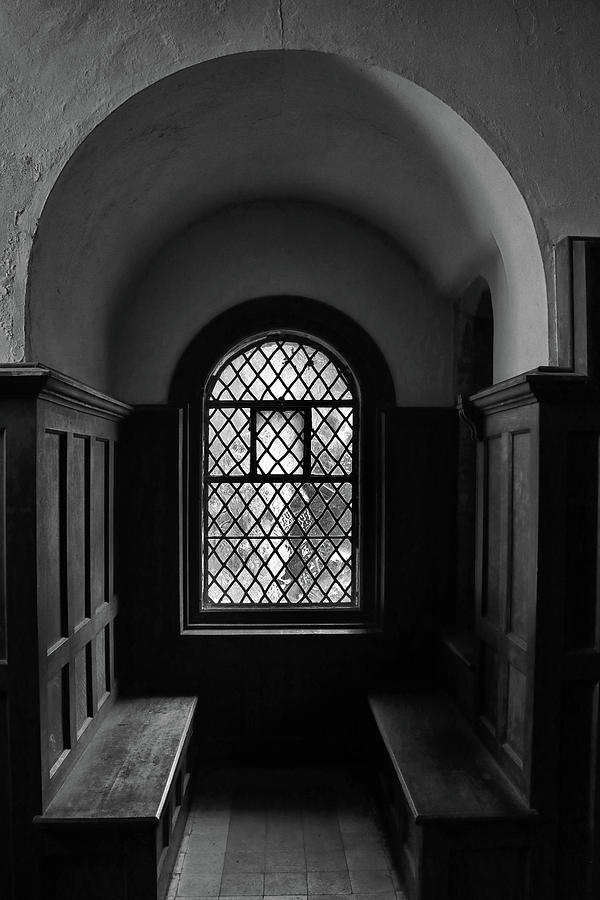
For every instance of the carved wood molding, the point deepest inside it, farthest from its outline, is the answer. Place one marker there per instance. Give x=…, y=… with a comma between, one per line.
x=36, y=380
x=471, y=416
x=551, y=385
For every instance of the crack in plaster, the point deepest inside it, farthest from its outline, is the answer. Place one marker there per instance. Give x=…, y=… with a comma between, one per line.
x=281, y=24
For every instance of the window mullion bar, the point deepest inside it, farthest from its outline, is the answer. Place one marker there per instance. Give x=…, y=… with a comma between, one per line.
x=277, y=404
x=307, y=435
x=278, y=479
x=253, y=464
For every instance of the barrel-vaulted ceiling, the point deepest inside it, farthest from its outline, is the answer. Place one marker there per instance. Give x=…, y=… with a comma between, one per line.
x=294, y=125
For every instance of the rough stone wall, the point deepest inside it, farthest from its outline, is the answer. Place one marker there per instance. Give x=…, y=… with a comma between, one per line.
x=524, y=73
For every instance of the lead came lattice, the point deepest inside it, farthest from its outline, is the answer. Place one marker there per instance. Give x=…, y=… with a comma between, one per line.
x=280, y=487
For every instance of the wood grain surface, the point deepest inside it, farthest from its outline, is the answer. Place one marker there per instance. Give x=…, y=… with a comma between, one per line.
x=127, y=769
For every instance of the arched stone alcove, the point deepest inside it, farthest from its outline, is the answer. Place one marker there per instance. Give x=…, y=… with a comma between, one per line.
x=387, y=170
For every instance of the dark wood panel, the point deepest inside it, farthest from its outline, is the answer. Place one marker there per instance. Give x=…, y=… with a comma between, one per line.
x=490, y=688
x=494, y=598
x=83, y=688
x=508, y=574
x=45, y=420
x=516, y=703
x=552, y=647
x=53, y=538
x=579, y=816
x=445, y=772
x=78, y=525
x=6, y=849
x=100, y=501
x=3, y=598
x=581, y=665
x=85, y=501
x=58, y=726
x=523, y=538
x=585, y=287
x=420, y=515
x=62, y=652
x=582, y=540
x=498, y=873
x=101, y=667
x=18, y=417
x=128, y=772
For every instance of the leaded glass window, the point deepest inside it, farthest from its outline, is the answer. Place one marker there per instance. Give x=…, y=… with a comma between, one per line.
x=280, y=485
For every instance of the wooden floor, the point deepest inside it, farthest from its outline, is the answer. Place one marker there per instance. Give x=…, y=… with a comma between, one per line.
x=284, y=834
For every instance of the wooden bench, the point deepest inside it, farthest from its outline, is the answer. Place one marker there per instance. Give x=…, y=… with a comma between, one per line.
x=113, y=829
x=458, y=827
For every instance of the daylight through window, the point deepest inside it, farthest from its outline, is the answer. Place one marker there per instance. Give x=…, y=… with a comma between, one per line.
x=280, y=487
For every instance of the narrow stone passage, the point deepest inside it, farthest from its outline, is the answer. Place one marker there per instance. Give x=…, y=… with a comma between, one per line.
x=290, y=834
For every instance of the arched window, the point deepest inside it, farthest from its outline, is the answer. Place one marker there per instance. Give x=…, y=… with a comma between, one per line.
x=281, y=471
x=280, y=486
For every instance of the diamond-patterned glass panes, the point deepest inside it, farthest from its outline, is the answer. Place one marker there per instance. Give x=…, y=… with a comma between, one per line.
x=280, y=370
x=331, y=440
x=228, y=441
x=279, y=442
x=257, y=510
x=280, y=480
x=280, y=544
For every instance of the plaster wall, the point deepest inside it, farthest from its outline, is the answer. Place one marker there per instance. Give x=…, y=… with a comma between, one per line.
x=278, y=248
x=525, y=76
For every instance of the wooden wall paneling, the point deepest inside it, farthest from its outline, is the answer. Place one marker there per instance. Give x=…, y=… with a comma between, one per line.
x=506, y=588
x=79, y=527
x=583, y=255
x=580, y=620
x=52, y=552
x=573, y=654
x=6, y=848
x=150, y=541
x=3, y=597
x=577, y=843
x=551, y=643
x=521, y=603
x=493, y=597
x=521, y=595
x=41, y=573
x=420, y=515
x=17, y=419
x=100, y=499
x=77, y=672
x=594, y=869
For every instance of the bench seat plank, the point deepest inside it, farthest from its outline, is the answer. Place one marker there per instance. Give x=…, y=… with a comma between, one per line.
x=127, y=770
x=445, y=772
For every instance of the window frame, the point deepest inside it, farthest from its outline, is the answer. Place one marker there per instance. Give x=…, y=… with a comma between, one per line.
x=304, y=406
x=357, y=351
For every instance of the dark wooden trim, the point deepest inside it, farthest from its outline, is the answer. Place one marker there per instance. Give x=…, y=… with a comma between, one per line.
x=471, y=416
x=37, y=380
x=562, y=327
x=541, y=384
x=578, y=275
